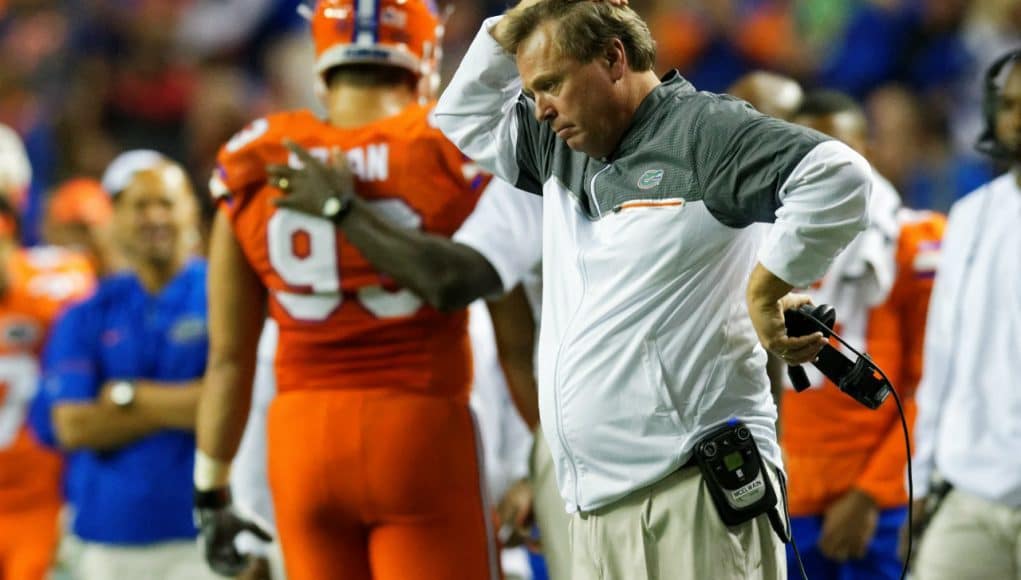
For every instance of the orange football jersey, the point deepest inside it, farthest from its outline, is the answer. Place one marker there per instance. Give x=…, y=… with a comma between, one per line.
x=832, y=442
x=42, y=282
x=342, y=324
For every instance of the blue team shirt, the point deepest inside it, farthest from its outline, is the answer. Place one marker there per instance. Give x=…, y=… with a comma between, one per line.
x=140, y=493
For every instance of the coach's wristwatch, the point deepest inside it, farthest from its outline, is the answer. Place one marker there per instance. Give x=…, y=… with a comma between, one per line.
x=336, y=207
x=122, y=394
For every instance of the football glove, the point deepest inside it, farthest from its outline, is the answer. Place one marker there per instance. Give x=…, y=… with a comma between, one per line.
x=219, y=525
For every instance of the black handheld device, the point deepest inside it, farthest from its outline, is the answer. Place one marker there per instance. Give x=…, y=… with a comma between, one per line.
x=860, y=379
x=734, y=473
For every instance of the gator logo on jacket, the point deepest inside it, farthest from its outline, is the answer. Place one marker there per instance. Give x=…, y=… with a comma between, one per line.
x=650, y=179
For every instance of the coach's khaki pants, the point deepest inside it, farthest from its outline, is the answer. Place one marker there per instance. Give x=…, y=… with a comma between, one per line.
x=550, y=513
x=971, y=538
x=671, y=531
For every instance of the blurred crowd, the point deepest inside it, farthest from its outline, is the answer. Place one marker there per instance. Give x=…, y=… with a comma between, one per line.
x=84, y=79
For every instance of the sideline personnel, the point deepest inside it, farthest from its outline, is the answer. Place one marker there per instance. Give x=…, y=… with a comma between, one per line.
x=646, y=344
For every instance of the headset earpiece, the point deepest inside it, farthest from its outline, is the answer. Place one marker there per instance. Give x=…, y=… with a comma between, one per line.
x=987, y=142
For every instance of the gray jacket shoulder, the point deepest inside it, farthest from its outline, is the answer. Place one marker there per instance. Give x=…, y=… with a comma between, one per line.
x=742, y=158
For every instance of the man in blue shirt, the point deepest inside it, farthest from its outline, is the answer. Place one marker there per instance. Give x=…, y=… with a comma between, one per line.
x=121, y=372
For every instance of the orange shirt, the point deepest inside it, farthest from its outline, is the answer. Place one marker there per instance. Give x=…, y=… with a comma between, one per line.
x=831, y=442
x=42, y=282
x=342, y=324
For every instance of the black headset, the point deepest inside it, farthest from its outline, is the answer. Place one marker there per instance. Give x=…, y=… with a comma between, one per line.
x=987, y=142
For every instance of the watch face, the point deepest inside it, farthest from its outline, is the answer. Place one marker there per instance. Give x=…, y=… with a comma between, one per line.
x=122, y=394
x=332, y=207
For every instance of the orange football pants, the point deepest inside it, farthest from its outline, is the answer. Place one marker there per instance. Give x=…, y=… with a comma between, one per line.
x=378, y=485
x=28, y=542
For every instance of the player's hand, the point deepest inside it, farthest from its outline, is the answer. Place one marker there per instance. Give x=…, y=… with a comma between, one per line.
x=848, y=526
x=258, y=569
x=516, y=516
x=219, y=526
x=316, y=184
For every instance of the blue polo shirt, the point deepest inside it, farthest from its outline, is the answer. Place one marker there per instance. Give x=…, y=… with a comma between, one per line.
x=140, y=493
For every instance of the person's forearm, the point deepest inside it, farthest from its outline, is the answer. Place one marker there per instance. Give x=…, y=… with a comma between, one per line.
x=765, y=288
x=99, y=427
x=223, y=407
x=524, y=391
x=173, y=405
x=514, y=329
x=237, y=302
x=444, y=273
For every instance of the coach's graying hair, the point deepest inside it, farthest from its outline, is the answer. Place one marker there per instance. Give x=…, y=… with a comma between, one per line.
x=584, y=30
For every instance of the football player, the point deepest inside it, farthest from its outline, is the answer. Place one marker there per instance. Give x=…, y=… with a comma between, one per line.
x=35, y=284
x=373, y=457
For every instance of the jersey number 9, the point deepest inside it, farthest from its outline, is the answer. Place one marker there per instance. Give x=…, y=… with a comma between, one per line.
x=303, y=252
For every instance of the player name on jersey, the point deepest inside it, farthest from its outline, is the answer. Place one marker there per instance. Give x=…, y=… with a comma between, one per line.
x=368, y=162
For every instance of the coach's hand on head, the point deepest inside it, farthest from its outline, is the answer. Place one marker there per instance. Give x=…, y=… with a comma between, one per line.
x=524, y=4
x=312, y=187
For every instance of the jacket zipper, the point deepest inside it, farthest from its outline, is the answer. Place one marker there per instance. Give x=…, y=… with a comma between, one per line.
x=592, y=191
x=557, y=382
x=558, y=385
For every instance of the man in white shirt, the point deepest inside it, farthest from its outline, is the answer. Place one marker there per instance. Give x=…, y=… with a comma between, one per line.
x=646, y=345
x=969, y=404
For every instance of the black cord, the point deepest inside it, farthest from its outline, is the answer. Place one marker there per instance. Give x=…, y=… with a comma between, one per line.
x=907, y=442
x=911, y=483
x=788, y=535
x=797, y=556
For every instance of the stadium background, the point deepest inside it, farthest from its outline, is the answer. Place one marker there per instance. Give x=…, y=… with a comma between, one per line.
x=82, y=80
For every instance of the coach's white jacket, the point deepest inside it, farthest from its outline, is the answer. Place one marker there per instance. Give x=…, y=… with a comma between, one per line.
x=646, y=342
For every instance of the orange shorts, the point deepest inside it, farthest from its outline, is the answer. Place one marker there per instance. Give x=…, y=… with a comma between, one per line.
x=378, y=485
x=28, y=542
